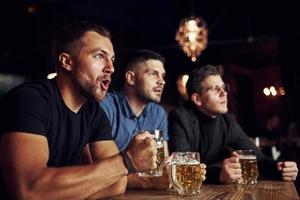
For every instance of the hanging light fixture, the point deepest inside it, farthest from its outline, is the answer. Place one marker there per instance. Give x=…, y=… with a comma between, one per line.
x=192, y=36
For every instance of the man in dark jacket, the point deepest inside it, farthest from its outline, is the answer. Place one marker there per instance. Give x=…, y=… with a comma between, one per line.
x=204, y=125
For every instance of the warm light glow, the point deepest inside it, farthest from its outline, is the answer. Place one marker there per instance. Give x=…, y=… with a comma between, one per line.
x=181, y=86
x=31, y=9
x=185, y=78
x=192, y=36
x=51, y=75
x=267, y=91
x=281, y=91
x=273, y=91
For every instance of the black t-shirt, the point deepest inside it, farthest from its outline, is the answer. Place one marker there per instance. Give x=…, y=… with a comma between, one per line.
x=38, y=108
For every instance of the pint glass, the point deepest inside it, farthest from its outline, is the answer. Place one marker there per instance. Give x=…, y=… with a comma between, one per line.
x=185, y=172
x=248, y=161
x=158, y=137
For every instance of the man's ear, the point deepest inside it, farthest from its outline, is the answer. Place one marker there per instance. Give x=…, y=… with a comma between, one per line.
x=130, y=77
x=66, y=61
x=196, y=99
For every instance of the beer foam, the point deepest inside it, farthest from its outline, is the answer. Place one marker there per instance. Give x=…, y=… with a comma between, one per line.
x=156, y=134
x=247, y=157
x=189, y=162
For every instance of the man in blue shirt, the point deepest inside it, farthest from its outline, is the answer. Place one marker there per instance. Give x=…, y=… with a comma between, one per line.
x=134, y=109
x=125, y=123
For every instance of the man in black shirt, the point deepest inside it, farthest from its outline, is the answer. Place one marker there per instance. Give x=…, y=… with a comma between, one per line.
x=203, y=125
x=52, y=146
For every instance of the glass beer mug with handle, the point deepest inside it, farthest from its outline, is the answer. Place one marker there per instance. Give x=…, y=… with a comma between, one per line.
x=248, y=161
x=159, y=139
x=185, y=172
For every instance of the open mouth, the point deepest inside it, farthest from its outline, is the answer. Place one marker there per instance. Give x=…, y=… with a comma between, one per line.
x=223, y=102
x=158, y=90
x=105, y=84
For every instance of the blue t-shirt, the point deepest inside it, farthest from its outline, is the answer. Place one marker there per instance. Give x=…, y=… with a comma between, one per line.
x=125, y=124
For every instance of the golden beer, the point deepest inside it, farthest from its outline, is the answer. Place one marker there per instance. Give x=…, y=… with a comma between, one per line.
x=160, y=164
x=186, y=178
x=189, y=176
x=185, y=172
x=249, y=169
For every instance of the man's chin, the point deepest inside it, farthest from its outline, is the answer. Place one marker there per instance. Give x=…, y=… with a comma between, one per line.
x=151, y=98
x=100, y=96
x=156, y=100
x=223, y=111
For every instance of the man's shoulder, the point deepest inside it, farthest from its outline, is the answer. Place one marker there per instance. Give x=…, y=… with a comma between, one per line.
x=155, y=107
x=114, y=94
x=31, y=90
x=112, y=103
x=182, y=110
x=111, y=98
x=228, y=117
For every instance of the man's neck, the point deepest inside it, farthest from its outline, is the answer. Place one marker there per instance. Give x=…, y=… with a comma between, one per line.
x=137, y=106
x=70, y=95
x=203, y=111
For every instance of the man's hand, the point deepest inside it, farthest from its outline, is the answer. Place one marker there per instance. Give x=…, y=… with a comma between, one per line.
x=143, y=135
x=161, y=182
x=231, y=169
x=203, y=171
x=288, y=170
x=142, y=152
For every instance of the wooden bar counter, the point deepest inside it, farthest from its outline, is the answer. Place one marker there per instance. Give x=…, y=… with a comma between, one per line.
x=263, y=190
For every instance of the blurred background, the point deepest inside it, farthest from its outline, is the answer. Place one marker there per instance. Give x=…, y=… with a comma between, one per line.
x=257, y=43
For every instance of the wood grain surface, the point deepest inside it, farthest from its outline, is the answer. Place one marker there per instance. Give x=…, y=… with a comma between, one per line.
x=263, y=190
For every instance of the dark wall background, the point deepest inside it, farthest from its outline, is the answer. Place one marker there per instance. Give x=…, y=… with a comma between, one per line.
x=255, y=41
x=290, y=69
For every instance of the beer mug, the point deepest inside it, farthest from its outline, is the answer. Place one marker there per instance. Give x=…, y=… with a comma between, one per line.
x=158, y=137
x=248, y=161
x=185, y=172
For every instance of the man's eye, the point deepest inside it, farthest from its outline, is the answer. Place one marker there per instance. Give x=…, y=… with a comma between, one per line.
x=154, y=73
x=99, y=56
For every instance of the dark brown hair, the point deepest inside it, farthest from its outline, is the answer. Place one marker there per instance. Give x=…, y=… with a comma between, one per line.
x=198, y=75
x=141, y=56
x=68, y=38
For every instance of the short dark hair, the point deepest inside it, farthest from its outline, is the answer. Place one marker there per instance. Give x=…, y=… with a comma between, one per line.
x=198, y=75
x=68, y=38
x=142, y=56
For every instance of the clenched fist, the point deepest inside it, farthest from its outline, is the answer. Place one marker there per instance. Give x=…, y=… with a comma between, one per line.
x=142, y=152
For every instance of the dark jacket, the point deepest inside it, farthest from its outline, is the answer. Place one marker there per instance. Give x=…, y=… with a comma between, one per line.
x=214, y=138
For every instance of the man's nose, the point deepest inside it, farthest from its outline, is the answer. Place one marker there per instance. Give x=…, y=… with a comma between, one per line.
x=223, y=91
x=109, y=68
x=161, y=80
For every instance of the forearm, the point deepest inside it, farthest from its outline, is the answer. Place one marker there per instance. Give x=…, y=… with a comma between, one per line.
x=136, y=182
x=113, y=190
x=78, y=182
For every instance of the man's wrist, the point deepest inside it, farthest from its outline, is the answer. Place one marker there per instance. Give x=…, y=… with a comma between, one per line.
x=128, y=163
